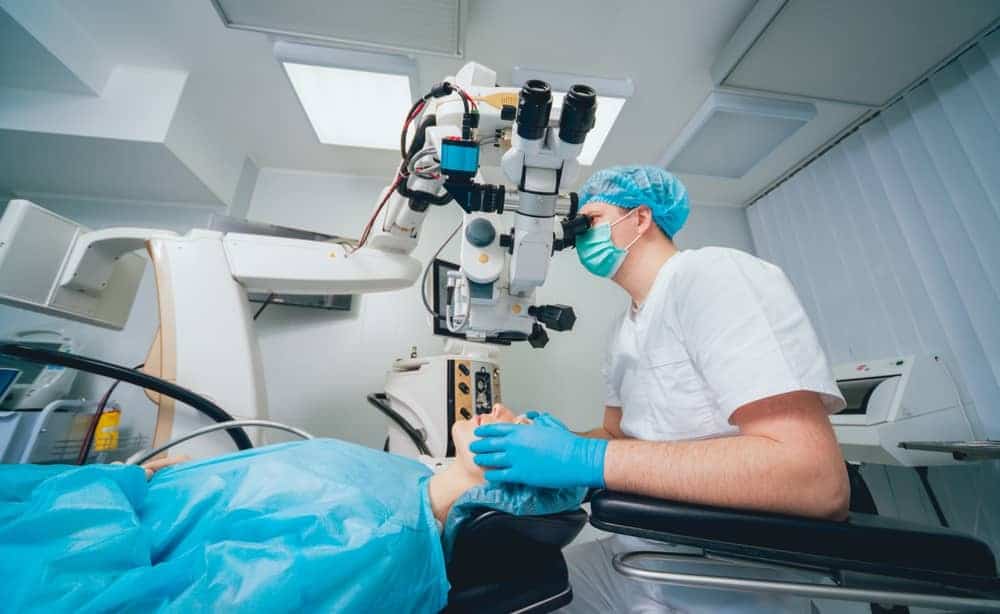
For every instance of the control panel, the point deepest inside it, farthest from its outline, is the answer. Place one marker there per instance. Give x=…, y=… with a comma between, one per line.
x=473, y=388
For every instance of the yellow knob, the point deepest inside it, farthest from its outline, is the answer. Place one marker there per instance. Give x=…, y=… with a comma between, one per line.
x=516, y=308
x=483, y=258
x=333, y=254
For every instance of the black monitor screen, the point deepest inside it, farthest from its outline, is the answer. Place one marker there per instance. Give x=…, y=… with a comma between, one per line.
x=440, y=270
x=440, y=297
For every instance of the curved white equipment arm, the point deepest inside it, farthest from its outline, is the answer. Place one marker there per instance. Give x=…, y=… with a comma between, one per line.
x=208, y=341
x=94, y=254
x=296, y=266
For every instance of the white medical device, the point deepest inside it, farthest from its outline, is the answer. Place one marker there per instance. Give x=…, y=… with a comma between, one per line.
x=38, y=385
x=908, y=398
x=206, y=341
x=426, y=395
x=492, y=294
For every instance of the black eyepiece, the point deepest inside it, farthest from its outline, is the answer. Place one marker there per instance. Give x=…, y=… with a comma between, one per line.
x=578, y=111
x=533, y=107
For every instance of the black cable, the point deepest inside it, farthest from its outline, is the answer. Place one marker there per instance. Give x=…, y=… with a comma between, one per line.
x=138, y=378
x=406, y=125
x=420, y=136
x=267, y=301
x=88, y=438
x=922, y=472
x=380, y=401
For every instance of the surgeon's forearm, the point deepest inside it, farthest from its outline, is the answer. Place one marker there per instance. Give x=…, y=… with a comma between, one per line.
x=746, y=472
x=598, y=433
x=611, y=429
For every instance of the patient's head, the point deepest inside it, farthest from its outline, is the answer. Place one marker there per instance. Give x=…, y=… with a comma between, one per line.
x=463, y=433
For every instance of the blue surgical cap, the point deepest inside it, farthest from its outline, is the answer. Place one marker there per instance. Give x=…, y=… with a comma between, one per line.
x=631, y=186
x=515, y=499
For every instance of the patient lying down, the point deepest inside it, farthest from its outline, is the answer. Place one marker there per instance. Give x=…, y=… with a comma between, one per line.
x=319, y=525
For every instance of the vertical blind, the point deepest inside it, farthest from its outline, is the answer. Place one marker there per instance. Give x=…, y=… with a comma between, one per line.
x=892, y=237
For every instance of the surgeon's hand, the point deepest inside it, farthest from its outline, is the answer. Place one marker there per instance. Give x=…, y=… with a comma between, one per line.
x=541, y=454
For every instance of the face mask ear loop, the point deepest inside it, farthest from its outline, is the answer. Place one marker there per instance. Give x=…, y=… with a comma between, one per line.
x=622, y=218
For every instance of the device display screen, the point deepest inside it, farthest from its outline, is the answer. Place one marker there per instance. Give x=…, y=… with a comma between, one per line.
x=857, y=393
x=29, y=370
x=484, y=393
x=440, y=297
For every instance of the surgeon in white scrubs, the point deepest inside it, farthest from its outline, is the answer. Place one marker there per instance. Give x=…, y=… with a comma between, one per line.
x=718, y=393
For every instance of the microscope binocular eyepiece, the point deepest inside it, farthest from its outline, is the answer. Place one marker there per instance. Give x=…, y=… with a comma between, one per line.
x=572, y=227
x=578, y=114
x=534, y=105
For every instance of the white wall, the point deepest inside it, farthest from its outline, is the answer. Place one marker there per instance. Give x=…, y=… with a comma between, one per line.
x=892, y=238
x=321, y=365
x=130, y=345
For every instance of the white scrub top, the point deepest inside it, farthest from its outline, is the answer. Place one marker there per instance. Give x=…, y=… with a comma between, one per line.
x=719, y=329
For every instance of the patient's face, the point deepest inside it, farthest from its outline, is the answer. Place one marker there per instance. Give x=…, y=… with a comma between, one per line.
x=463, y=433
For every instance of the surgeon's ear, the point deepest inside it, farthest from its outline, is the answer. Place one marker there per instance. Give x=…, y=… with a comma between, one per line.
x=644, y=219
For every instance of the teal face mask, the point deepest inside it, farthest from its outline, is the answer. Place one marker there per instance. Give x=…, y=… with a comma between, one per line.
x=598, y=253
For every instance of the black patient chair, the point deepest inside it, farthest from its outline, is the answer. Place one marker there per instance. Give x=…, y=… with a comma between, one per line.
x=504, y=563
x=867, y=558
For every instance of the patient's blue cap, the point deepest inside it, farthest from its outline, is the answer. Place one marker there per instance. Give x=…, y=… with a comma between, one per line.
x=515, y=499
x=631, y=186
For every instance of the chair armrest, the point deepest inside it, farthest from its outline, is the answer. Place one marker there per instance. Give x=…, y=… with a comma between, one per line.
x=863, y=543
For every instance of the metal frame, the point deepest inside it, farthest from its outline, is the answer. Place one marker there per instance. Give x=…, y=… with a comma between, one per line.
x=77, y=405
x=144, y=455
x=624, y=563
x=546, y=605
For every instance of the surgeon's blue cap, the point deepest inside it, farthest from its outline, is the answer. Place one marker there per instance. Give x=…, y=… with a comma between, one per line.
x=631, y=186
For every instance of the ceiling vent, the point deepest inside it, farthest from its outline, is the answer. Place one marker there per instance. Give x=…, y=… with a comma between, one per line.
x=731, y=133
x=413, y=26
x=854, y=51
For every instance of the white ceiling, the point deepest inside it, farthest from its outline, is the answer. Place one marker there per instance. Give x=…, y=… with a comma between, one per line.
x=238, y=88
x=238, y=102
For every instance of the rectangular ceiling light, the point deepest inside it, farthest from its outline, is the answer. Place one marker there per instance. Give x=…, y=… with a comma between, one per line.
x=351, y=98
x=731, y=133
x=611, y=97
x=409, y=26
x=851, y=51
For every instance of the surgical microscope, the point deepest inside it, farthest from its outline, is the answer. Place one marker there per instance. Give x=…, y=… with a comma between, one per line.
x=490, y=296
x=207, y=342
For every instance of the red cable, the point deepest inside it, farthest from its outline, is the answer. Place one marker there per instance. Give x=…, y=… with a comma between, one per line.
x=371, y=220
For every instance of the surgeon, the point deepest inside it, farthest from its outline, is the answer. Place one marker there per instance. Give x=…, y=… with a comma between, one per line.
x=717, y=393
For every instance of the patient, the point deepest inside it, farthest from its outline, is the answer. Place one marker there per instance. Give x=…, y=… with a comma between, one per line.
x=317, y=525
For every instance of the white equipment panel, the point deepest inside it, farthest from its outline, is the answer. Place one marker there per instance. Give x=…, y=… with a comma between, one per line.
x=907, y=398
x=38, y=247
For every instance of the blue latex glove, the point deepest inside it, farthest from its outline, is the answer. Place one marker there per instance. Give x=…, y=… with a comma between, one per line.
x=543, y=454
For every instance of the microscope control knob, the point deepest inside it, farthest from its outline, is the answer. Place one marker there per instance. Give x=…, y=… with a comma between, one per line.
x=480, y=232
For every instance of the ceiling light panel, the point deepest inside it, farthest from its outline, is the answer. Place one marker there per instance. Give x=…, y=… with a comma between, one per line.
x=731, y=133
x=352, y=107
x=421, y=26
x=351, y=98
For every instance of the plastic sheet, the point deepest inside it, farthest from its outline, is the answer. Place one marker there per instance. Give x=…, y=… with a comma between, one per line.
x=321, y=525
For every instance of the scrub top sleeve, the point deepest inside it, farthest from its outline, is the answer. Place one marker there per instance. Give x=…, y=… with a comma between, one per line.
x=612, y=380
x=747, y=333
